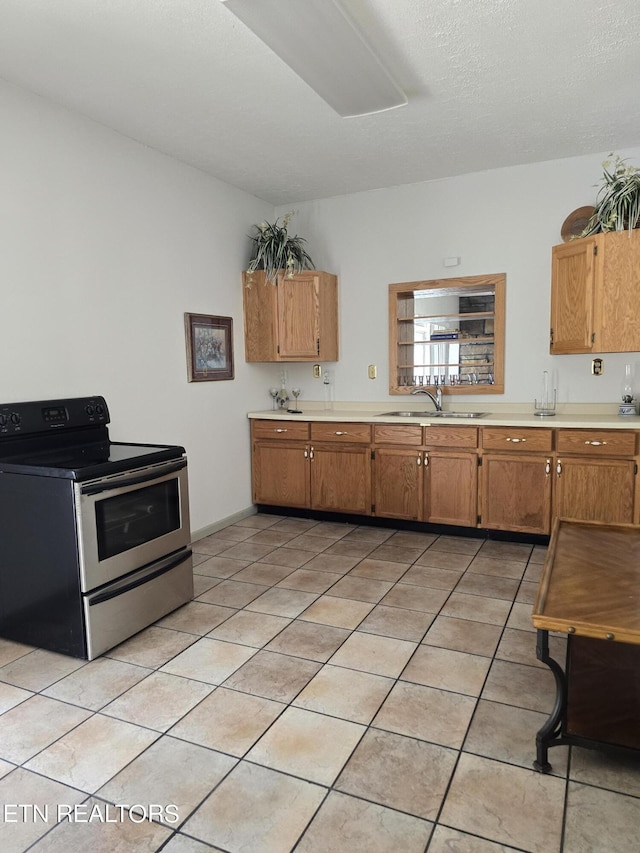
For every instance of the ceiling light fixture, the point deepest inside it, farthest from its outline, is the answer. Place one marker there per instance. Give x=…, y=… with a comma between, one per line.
x=318, y=41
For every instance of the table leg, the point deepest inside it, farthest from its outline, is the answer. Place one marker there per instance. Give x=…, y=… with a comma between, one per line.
x=551, y=731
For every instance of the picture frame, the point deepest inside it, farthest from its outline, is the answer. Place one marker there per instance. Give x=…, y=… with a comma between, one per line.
x=209, y=347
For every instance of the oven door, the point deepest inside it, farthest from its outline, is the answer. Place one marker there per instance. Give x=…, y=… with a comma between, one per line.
x=129, y=520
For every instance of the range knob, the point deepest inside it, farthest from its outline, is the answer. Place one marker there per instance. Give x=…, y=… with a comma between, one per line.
x=89, y=410
x=3, y=420
x=99, y=409
x=15, y=419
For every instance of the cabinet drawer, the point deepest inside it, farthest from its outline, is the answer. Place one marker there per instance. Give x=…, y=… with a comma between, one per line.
x=281, y=429
x=448, y=436
x=403, y=435
x=340, y=432
x=523, y=439
x=596, y=442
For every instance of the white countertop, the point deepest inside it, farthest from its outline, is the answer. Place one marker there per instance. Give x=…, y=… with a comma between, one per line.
x=375, y=413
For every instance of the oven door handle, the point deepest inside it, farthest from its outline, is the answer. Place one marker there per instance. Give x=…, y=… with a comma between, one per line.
x=107, y=486
x=101, y=597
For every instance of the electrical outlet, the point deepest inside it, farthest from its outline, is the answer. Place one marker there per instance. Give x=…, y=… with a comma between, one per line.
x=317, y=371
x=597, y=367
x=372, y=371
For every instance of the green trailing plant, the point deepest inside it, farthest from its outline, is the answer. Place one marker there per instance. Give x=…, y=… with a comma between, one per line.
x=618, y=201
x=275, y=249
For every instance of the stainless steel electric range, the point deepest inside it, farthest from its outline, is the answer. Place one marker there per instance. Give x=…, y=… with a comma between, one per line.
x=94, y=533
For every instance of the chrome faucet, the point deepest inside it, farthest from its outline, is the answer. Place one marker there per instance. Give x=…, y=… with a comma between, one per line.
x=436, y=398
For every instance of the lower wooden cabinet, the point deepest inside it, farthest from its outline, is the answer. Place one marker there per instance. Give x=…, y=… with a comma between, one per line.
x=516, y=492
x=280, y=473
x=397, y=483
x=451, y=487
x=594, y=489
x=341, y=478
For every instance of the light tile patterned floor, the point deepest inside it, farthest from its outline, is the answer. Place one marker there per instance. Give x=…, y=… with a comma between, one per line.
x=332, y=688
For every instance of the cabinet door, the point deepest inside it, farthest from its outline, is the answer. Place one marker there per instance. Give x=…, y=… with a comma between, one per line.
x=298, y=316
x=341, y=478
x=451, y=487
x=280, y=473
x=617, y=308
x=595, y=489
x=516, y=492
x=397, y=483
x=572, y=296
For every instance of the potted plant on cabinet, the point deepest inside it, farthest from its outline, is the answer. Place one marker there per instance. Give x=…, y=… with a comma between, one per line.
x=275, y=249
x=618, y=202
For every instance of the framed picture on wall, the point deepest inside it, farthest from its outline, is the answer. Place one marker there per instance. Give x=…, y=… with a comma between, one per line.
x=209, y=347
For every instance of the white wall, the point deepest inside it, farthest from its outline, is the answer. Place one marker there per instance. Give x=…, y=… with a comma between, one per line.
x=104, y=245
x=505, y=220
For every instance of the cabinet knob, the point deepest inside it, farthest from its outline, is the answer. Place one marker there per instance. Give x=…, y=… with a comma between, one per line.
x=419, y=460
x=279, y=429
x=610, y=636
x=596, y=443
x=516, y=440
x=559, y=468
x=340, y=432
x=547, y=467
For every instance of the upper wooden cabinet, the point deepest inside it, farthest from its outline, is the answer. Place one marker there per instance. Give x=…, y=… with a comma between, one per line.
x=295, y=319
x=594, y=287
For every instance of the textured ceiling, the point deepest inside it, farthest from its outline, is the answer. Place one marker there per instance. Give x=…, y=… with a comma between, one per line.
x=490, y=83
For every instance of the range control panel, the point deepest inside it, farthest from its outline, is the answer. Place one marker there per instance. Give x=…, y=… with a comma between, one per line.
x=45, y=415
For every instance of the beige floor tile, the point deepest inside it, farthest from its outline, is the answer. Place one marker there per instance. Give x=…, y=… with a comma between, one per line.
x=506, y=550
x=539, y=554
x=170, y=771
x=31, y=726
x=289, y=557
x=523, y=686
x=432, y=577
x=520, y=618
x=266, y=574
x=412, y=539
x=221, y=567
x=310, y=542
x=347, y=548
x=520, y=647
x=381, y=570
x=273, y=676
x=508, y=734
x=457, y=544
x=463, y=635
x=203, y=583
x=447, y=670
x=5, y=767
x=19, y=829
x=309, y=640
x=396, y=553
x=230, y=533
x=486, y=565
x=279, y=601
x=340, y=612
x=196, y=617
x=400, y=772
x=256, y=809
x=491, y=585
x=451, y=560
x=427, y=713
x=370, y=534
x=481, y=801
x=209, y=660
x=334, y=563
x=11, y=696
x=110, y=832
x=92, y=753
x=228, y=721
x=616, y=772
x=478, y=608
x=259, y=520
x=334, y=530
x=446, y=840
x=196, y=559
x=344, y=693
x=250, y=629
x=533, y=572
x=183, y=844
x=372, y=653
x=308, y=745
x=10, y=651
x=309, y=581
x=233, y=593
x=247, y=551
x=210, y=546
x=271, y=537
x=153, y=647
x=97, y=683
x=416, y=597
x=602, y=821
x=295, y=525
x=397, y=622
x=38, y=669
x=360, y=589
x=527, y=592
x=159, y=701
x=350, y=824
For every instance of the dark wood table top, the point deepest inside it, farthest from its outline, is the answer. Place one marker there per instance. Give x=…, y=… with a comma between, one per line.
x=590, y=584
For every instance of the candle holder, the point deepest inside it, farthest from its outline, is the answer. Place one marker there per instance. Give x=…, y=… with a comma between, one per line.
x=546, y=407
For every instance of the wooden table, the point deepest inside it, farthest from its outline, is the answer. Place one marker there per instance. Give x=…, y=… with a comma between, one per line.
x=590, y=590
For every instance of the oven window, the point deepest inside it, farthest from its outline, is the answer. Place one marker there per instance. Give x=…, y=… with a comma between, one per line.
x=126, y=521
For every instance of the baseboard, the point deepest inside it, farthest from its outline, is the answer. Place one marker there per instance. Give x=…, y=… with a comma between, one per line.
x=224, y=522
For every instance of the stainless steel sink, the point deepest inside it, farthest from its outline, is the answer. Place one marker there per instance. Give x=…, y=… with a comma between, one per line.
x=432, y=414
